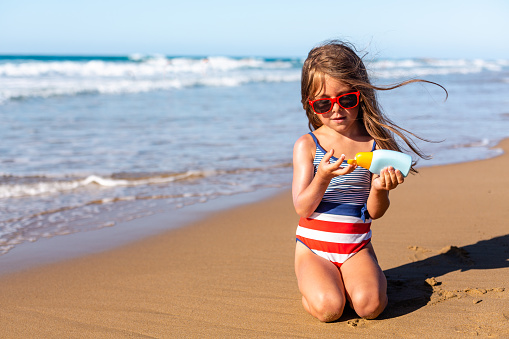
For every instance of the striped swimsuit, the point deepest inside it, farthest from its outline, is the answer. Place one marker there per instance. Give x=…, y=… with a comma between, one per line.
x=340, y=225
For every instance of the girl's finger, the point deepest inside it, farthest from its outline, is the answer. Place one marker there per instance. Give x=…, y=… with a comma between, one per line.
x=327, y=156
x=340, y=161
x=400, y=177
x=345, y=170
x=383, y=172
x=392, y=174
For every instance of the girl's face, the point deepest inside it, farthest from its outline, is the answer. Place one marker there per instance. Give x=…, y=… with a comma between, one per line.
x=341, y=120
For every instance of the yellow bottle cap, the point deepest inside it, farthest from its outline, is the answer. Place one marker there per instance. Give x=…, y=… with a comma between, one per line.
x=364, y=159
x=351, y=162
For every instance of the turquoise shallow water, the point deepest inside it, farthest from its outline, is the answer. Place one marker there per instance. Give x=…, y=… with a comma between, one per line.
x=88, y=137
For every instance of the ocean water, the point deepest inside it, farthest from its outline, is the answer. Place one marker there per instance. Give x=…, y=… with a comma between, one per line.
x=90, y=142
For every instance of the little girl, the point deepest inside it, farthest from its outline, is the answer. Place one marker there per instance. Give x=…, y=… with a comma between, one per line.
x=334, y=259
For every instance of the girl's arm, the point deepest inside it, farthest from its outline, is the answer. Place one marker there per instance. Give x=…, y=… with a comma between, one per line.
x=307, y=188
x=378, y=200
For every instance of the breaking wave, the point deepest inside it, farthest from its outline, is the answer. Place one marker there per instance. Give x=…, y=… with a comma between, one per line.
x=42, y=77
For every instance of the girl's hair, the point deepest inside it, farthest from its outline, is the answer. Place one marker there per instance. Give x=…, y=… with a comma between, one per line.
x=339, y=60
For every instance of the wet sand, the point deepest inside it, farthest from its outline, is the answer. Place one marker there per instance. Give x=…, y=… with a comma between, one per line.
x=443, y=244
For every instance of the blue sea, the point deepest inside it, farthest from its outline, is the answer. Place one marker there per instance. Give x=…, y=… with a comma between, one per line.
x=92, y=142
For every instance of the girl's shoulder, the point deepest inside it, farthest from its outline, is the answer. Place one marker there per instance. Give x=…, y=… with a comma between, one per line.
x=305, y=144
x=306, y=139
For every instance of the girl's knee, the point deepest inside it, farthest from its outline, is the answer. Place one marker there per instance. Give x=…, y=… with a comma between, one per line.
x=369, y=305
x=326, y=307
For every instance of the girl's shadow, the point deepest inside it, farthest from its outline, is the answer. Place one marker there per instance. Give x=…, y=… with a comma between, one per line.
x=407, y=287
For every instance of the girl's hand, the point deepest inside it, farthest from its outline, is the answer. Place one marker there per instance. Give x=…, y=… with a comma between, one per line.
x=388, y=179
x=328, y=170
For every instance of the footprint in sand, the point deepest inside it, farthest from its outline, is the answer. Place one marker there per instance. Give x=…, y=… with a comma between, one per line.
x=420, y=253
x=453, y=254
x=356, y=322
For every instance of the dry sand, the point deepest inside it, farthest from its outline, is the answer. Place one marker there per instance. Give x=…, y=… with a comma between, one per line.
x=444, y=246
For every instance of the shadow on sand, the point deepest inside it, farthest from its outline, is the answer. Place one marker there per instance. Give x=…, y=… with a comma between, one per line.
x=406, y=285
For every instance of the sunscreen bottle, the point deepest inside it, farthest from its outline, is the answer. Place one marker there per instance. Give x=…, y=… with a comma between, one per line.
x=378, y=159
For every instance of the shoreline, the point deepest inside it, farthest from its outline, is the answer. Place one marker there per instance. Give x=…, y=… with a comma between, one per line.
x=58, y=248
x=443, y=245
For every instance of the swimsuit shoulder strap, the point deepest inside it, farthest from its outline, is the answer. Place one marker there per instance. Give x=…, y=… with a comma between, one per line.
x=314, y=138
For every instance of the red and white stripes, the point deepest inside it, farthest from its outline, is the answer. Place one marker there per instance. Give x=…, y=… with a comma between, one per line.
x=334, y=237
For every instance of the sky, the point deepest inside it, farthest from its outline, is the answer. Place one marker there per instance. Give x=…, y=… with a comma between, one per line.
x=387, y=29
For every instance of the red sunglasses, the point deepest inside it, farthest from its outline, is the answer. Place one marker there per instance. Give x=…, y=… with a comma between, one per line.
x=345, y=101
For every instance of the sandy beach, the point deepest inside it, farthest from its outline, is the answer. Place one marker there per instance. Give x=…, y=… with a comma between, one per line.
x=443, y=245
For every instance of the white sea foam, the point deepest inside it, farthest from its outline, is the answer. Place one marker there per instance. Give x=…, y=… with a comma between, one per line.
x=45, y=186
x=55, y=78
x=426, y=67
x=149, y=67
x=45, y=89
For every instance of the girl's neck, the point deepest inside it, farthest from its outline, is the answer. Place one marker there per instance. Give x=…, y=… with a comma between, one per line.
x=349, y=144
x=357, y=133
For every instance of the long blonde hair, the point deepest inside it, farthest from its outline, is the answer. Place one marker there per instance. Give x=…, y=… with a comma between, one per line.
x=339, y=60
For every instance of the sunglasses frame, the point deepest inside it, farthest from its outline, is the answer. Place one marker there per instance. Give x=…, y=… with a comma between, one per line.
x=335, y=101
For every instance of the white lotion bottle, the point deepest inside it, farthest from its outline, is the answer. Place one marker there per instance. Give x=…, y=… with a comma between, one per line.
x=379, y=159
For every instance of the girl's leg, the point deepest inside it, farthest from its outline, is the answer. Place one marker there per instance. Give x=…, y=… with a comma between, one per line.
x=320, y=283
x=365, y=283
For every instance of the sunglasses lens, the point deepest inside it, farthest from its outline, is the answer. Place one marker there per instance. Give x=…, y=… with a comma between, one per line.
x=322, y=106
x=349, y=101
